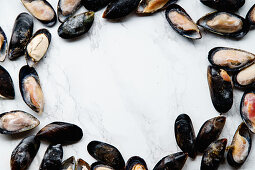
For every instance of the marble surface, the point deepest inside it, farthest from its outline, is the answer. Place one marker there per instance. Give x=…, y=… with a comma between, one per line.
x=125, y=83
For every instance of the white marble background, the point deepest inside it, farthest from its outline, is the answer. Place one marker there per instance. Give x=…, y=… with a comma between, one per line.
x=125, y=83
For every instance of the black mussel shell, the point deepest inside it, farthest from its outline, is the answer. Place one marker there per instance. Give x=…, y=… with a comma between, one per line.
x=95, y=5
x=67, y=8
x=100, y=165
x=21, y=33
x=245, y=79
x=82, y=165
x=214, y=155
x=251, y=15
x=30, y=88
x=176, y=17
x=120, y=8
x=60, y=132
x=221, y=89
x=136, y=162
x=69, y=164
x=225, y=24
x=42, y=11
x=6, y=84
x=240, y=146
x=52, y=158
x=17, y=121
x=3, y=45
x=185, y=135
x=24, y=153
x=209, y=132
x=230, y=59
x=224, y=5
x=106, y=154
x=76, y=26
x=172, y=162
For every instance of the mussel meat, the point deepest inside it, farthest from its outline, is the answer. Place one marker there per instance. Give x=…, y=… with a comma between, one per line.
x=136, y=163
x=82, y=165
x=52, y=158
x=95, y=5
x=100, y=166
x=69, y=164
x=245, y=79
x=3, y=45
x=224, y=5
x=251, y=15
x=67, y=8
x=6, y=84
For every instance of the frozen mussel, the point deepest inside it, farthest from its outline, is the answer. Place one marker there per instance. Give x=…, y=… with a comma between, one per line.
x=82, y=165
x=224, y=5
x=52, y=158
x=95, y=5
x=245, y=79
x=69, y=164
x=136, y=163
x=67, y=8
x=6, y=84
x=3, y=45
x=181, y=22
x=251, y=15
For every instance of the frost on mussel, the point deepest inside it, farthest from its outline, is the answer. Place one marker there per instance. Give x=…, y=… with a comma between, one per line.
x=245, y=79
x=224, y=5
x=82, y=165
x=67, y=8
x=100, y=166
x=6, y=84
x=251, y=15
x=136, y=163
x=240, y=147
x=95, y=5
x=181, y=22
x=3, y=45
x=14, y=122
x=69, y=164
x=52, y=158
x=30, y=88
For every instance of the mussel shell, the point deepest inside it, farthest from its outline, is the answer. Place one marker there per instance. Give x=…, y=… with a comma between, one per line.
x=3, y=45
x=6, y=84
x=30, y=88
x=240, y=147
x=250, y=17
x=221, y=89
x=230, y=59
x=245, y=79
x=42, y=11
x=193, y=31
x=224, y=5
x=60, y=132
x=172, y=162
x=69, y=164
x=17, y=121
x=106, y=154
x=76, y=26
x=100, y=165
x=95, y=5
x=213, y=155
x=82, y=165
x=67, y=8
x=236, y=31
x=209, y=132
x=136, y=162
x=21, y=33
x=52, y=159
x=24, y=153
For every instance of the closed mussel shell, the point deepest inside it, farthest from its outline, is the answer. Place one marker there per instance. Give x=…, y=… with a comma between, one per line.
x=221, y=89
x=69, y=164
x=6, y=84
x=52, y=158
x=181, y=22
x=24, y=153
x=174, y=161
x=3, y=45
x=240, y=147
x=245, y=79
x=21, y=33
x=106, y=154
x=67, y=8
x=225, y=24
x=224, y=5
x=214, y=155
x=95, y=5
x=30, y=88
x=136, y=163
x=251, y=15
x=17, y=121
x=60, y=132
x=209, y=132
x=99, y=166
x=42, y=11
x=82, y=165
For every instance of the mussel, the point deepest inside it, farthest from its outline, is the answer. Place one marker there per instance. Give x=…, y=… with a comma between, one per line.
x=245, y=79
x=230, y=59
x=69, y=164
x=209, y=132
x=225, y=24
x=24, y=153
x=42, y=11
x=82, y=165
x=30, y=88
x=251, y=15
x=181, y=22
x=185, y=135
x=6, y=84
x=60, y=132
x=221, y=89
x=67, y=8
x=106, y=154
x=224, y=5
x=76, y=26
x=172, y=162
x=99, y=166
x=21, y=33
x=52, y=158
x=240, y=146
x=3, y=45
x=214, y=155
x=95, y=5
x=136, y=163
x=17, y=121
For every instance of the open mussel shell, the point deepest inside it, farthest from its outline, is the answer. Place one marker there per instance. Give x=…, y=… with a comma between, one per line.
x=52, y=159
x=181, y=22
x=99, y=166
x=76, y=26
x=82, y=165
x=209, y=132
x=251, y=15
x=240, y=146
x=230, y=59
x=95, y=5
x=106, y=154
x=24, y=153
x=136, y=163
x=17, y=121
x=214, y=155
x=6, y=84
x=69, y=164
x=30, y=88
x=42, y=11
x=60, y=132
x=224, y=5
x=245, y=79
x=67, y=8
x=174, y=161
x=185, y=135
x=221, y=89
x=21, y=33
x=3, y=45
x=225, y=24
